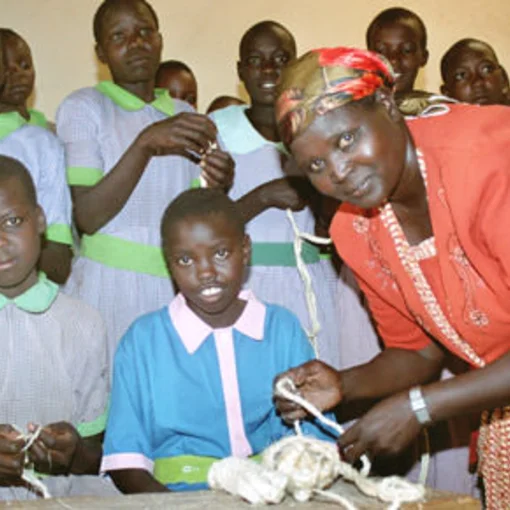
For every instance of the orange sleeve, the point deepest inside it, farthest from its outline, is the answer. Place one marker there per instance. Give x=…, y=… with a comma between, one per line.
x=395, y=329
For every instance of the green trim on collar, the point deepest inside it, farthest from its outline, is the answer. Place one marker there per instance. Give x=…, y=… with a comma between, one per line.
x=237, y=132
x=82, y=176
x=123, y=98
x=10, y=122
x=37, y=118
x=37, y=299
x=59, y=233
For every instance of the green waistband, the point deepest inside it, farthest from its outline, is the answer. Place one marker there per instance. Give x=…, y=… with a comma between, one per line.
x=282, y=254
x=142, y=258
x=188, y=469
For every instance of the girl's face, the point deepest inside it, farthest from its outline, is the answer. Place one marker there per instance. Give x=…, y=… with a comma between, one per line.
x=21, y=226
x=19, y=72
x=130, y=44
x=180, y=85
x=401, y=43
x=263, y=58
x=475, y=76
x=206, y=256
x=355, y=153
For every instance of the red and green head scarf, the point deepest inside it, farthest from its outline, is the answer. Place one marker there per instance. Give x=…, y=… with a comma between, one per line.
x=324, y=79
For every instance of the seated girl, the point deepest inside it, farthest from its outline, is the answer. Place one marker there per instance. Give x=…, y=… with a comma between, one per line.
x=192, y=381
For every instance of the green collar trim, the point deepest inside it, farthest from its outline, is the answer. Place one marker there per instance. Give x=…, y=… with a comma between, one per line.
x=237, y=133
x=36, y=299
x=127, y=101
x=10, y=122
x=37, y=118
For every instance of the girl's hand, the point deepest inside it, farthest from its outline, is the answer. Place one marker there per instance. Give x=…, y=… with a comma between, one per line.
x=12, y=459
x=286, y=193
x=386, y=429
x=185, y=134
x=54, y=450
x=316, y=382
x=218, y=169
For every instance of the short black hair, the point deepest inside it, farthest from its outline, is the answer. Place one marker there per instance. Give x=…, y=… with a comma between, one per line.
x=199, y=203
x=174, y=65
x=12, y=168
x=9, y=32
x=260, y=27
x=394, y=15
x=454, y=50
x=109, y=5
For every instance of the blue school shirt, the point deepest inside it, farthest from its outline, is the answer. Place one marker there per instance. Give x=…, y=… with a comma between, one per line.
x=181, y=388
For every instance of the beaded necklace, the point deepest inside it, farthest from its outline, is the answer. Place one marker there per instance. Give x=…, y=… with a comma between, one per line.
x=410, y=261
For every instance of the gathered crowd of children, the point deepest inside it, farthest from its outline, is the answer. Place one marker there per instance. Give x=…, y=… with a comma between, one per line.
x=150, y=291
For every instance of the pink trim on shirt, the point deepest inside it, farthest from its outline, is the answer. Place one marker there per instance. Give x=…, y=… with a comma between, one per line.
x=193, y=331
x=126, y=461
x=228, y=370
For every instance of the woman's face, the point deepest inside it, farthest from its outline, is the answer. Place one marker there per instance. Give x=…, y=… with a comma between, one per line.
x=355, y=153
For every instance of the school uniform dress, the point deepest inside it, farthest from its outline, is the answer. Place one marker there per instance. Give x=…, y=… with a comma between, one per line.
x=273, y=274
x=55, y=368
x=185, y=395
x=42, y=154
x=121, y=270
x=455, y=286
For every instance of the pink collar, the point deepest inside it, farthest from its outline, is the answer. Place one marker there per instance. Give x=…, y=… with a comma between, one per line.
x=193, y=330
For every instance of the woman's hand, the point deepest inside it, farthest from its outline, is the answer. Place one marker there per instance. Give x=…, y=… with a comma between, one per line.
x=386, y=429
x=55, y=448
x=12, y=458
x=316, y=382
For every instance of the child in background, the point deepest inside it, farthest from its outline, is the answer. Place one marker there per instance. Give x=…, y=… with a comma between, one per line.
x=129, y=148
x=400, y=35
x=54, y=372
x=20, y=78
x=40, y=151
x=250, y=134
x=192, y=382
x=179, y=80
x=472, y=73
x=222, y=102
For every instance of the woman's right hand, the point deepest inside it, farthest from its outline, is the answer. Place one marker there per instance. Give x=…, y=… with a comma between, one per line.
x=286, y=193
x=185, y=134
x=314, y=381
x=12, y=458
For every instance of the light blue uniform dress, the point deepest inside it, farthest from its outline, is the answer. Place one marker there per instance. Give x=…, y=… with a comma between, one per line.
x=55, y=368
x=42, y=154
x=185, y=395
x=273, y=274
x=121, y=270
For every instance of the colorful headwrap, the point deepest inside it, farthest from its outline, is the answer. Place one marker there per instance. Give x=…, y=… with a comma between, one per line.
x=324, y=79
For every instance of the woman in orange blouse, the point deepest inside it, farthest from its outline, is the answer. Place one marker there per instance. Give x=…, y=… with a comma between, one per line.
x=425, y=226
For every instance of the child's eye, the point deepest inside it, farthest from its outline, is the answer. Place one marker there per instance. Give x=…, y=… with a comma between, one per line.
x=25, y=65
x=222, y=254
x=117, y=37
x=346, y=140
x=281, y=60
x=145, y=32
x=316, y=165
x=253, y=61
x=487, y=69
x=460, y=75
x=184, y=260
x=13, y=221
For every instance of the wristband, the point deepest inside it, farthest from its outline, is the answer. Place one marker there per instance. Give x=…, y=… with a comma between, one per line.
x=419, y=406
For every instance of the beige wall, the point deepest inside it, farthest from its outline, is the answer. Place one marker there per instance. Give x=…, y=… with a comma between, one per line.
x=205, y=34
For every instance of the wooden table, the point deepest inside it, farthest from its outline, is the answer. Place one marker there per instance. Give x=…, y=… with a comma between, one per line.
x=212, y=501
